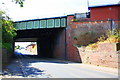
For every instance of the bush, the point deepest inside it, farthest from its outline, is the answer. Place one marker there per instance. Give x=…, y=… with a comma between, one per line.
x=8, y=46
x=102, y=38
x=8, y=31
x=113, y=36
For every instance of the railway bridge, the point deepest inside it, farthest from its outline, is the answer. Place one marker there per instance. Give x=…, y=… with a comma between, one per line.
x=52, y=35
x=48, y=33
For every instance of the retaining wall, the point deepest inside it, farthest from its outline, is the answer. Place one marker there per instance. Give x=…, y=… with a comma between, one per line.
x=98, y=28
x=105, y=55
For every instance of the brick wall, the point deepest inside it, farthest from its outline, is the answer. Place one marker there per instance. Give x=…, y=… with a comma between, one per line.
x=105, y=55
x=72, y=52
x=97, y=28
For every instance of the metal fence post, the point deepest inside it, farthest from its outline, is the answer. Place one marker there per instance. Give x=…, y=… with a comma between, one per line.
x=112, y=26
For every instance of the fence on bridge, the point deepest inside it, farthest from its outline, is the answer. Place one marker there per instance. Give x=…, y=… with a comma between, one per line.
x=55, y=22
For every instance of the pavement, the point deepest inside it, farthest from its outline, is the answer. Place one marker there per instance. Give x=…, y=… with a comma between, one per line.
x=50, y=68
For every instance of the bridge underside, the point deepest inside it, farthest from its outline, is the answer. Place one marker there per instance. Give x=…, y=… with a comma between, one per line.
x=50, y=41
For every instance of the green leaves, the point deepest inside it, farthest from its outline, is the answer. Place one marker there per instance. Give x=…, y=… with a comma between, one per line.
x=8, y=31
x=8, y=27
x=20, y=2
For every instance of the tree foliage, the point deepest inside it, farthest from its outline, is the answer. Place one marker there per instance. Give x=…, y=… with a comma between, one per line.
x=20, y=2
x=8, y=31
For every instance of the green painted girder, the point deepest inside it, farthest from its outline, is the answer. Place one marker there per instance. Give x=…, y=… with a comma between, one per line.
x=41, y=23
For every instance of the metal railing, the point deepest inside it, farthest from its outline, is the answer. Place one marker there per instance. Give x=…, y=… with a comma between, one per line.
x=56, y=22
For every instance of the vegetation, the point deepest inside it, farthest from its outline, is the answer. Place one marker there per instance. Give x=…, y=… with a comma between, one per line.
x=111, y=37
x=8, y=31
x=91, y=38
x=20, y=2
x=17, y=47
x=74, y=20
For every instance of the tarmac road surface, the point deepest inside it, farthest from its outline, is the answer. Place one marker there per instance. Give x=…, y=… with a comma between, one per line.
x=48, y=68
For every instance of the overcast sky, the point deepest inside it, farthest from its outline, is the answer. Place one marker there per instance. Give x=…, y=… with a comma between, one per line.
x=34, y=9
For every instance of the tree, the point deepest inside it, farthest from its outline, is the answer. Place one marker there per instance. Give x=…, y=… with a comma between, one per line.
x=8, y=31
x=20, y=2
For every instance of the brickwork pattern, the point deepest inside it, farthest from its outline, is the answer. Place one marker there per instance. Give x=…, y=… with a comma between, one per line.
x=97, y=27
x=106, y=55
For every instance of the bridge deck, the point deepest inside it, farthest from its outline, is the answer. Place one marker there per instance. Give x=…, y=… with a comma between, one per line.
x=55, y=22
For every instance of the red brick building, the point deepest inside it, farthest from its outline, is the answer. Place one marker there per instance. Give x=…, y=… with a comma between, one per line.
x=105, y=12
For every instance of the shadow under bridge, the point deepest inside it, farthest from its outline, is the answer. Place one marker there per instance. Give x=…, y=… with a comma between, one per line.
x=50, y=41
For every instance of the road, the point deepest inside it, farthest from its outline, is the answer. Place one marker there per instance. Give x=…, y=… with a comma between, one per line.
x=41, y=68
x=24, y=52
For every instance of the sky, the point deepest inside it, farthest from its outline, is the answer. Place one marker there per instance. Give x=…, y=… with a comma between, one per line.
x=36, y=9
